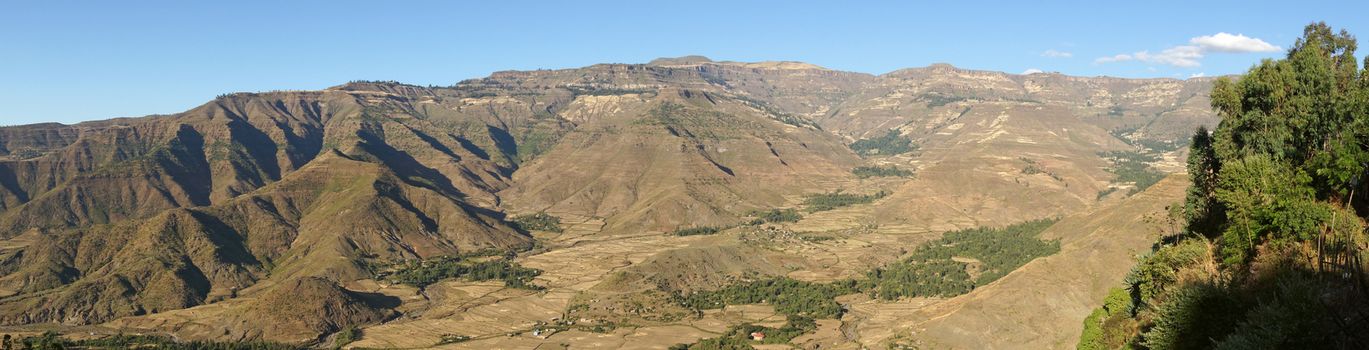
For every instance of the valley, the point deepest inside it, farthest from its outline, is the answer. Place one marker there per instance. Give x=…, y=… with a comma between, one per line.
x=628, y=188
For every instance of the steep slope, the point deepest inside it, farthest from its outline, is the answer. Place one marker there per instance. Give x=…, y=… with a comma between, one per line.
x=1040, y=305
x=349, y=180
x=677, y=158
x=131, y=168
x=999, y=163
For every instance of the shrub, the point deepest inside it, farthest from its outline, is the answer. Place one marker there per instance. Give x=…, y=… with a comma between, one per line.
x=53, y=341
x=787, y=295
x=739, y=337
x=837, y=199
x=696, y=231
x=891, y=143
x=776, y=215
x=866, y=172
x=1133, y=167
x=930, y=270
x=346, y=336
x=426, y=272
x=538, y=222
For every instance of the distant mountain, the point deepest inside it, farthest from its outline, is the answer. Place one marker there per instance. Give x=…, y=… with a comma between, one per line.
x=255, y=196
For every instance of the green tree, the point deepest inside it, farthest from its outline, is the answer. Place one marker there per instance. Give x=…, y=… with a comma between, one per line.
x=1202, y=210
x=1278, y=188
x=1292, y=134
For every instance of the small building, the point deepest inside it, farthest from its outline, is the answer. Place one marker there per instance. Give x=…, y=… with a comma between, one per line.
x=758, y=336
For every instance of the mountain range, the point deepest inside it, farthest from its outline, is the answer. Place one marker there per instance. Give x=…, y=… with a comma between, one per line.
x=272, y=215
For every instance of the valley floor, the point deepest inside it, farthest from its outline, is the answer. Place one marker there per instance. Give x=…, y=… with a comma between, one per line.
x=1040, y=305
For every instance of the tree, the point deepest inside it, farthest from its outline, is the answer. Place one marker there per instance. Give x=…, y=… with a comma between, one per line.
x=1201, y=208
x=1296, y=127
x=1285, y=168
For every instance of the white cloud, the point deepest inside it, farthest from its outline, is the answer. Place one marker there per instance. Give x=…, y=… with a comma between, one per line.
x=1197, y=75
x=1056, y=54
x=1226, y=42
x=1190, y=56
x=1179, y=56
x=1115, y=58
x=1031, y=71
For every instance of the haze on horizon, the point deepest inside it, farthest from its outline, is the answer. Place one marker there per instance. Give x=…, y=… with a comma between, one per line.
x=68, y=63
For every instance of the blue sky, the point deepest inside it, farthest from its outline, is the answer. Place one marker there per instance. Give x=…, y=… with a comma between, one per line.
x=69, y=61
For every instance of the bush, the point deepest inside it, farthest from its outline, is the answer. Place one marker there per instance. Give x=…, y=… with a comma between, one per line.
x=453, y=338
x=739, y=337
x=1159, y=271
x=346, y=336
x=1284, y=168
x=26, y=153
x=837, y=199
x=1133, y=167
x=922, y=278
x=1191, y=318
x=696, y=231
x=866, y=172
x=1102, y=330
x=775, y=215
x=787, y=295
x=537, y=222
x=931, y=271
x=937, y=100
x=54, y=341
x=891, y=143
x=473, y=268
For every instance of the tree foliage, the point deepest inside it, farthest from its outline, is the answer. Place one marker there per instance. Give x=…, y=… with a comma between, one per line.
x=838, y=199
x=1292, y=144
x=788, y=296
x=480, y=266
x=933, y=269
x=53, y=341
x=1107, y=327
x=739, y=337
x=538, y=222
x=891, y=143
x=929, y=271
x=775, y=216
x=1276, y=250
x=696, y=231
x=866, y=172
x=1134, y=167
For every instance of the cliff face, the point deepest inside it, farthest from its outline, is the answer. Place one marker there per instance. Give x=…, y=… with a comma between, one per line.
x=253, y=192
